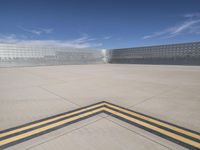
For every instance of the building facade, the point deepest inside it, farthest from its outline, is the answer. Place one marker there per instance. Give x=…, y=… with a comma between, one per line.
x=34, y=55
x=31, y=55
x=181, y=54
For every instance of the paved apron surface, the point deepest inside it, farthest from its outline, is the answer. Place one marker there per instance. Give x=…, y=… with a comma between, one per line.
x=179, y=135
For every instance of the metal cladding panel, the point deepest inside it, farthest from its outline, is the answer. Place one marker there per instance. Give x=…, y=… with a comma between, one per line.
x=185, y=53
x=32, y=55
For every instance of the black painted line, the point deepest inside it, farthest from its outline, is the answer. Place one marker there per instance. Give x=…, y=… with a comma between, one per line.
x=154, y=124
x=40, y=126
x=114, y=115
x=44, y=119
x=189, y=130
x=154, y=132
x=45, y=132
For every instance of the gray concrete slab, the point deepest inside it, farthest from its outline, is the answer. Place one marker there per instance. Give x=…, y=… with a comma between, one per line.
x=147, y=135
x=48, y=138
x=180, y=106
x=170, y=93
x=100, y=135
x=25, y=105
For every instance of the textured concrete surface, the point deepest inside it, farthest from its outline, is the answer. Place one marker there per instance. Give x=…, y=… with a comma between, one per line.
x=100, y=135
x=170, y=93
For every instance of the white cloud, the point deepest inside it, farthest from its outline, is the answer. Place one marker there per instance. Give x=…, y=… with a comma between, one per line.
x=82, y=42
x=37, y=31
x=187, y=25
x=107, y=37
x=156, y=34
x=47, y=31
x=191, y=25
x=192, y=15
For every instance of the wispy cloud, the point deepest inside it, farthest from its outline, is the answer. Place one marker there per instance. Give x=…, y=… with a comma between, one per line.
x=82, y=42
x=37, y=31
x=192, y=15
x=190, y=25
x=107, y=37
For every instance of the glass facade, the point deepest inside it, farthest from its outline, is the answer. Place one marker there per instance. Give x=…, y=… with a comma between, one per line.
x=31, y=55
x=185, y=53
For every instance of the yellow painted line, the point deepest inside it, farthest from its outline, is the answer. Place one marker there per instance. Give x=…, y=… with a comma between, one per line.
x=33, y=132
x=156, y=122
x=167, y=133
x=96, y=110
x=47, y=121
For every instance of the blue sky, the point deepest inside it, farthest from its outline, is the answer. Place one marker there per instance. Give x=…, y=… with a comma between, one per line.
x=99, y=23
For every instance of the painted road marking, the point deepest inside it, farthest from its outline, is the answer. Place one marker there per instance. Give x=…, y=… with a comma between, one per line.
x=32, y=125
x=156, y=121
x=184, y=137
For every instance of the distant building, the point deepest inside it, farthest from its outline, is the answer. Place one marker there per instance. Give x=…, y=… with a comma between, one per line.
x=183, y=54
x=28, y=55
x=33, y=55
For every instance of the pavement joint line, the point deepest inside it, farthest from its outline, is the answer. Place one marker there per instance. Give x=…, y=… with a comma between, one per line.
x=63, y=134
x=156, y=95
x=58, y=96
x=35, y=74
x=138, y=133
x=60, y=82
x=179, y=135
x=44, y=121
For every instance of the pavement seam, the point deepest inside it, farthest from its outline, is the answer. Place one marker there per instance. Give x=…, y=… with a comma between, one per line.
x=156, y=95
x=138, y=133
x=63, y=98
x=41, y=77
x=65, y=133
x=179, y=135
x=56, y=137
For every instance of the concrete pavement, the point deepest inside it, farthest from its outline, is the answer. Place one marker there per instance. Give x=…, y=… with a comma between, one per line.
x=170, y=93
